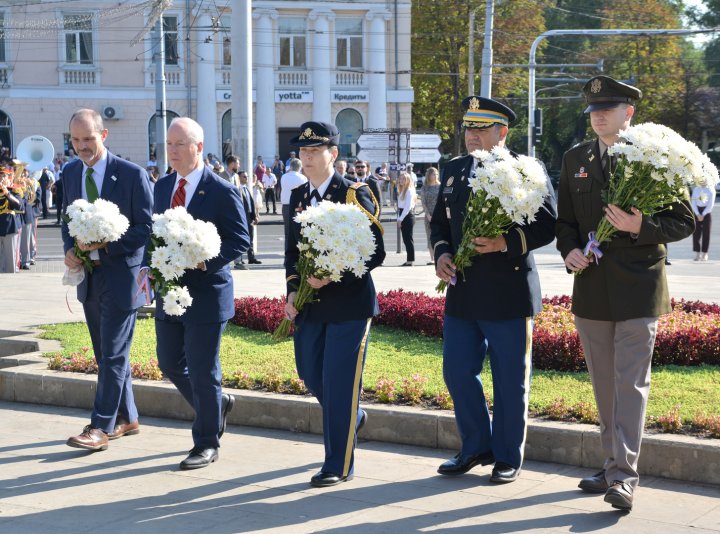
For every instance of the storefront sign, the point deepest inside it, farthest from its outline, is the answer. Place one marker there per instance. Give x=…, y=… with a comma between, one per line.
x=349, y=97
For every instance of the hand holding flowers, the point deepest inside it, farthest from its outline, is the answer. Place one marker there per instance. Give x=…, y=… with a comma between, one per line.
x=335, y=238
x=505, y=190
x=178, y=242
x=92, y=226
x=655, y=168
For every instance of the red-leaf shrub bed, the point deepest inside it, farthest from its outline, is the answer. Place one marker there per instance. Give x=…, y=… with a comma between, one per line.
x=690, y=335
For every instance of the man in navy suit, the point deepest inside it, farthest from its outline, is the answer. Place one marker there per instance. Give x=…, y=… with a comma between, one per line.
x=188, y=346
x=331, y=332
x=109, y=293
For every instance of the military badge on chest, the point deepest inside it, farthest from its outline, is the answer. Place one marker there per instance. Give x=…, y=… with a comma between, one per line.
x=581, y=173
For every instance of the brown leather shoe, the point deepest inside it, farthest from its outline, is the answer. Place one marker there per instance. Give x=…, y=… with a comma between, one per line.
x=123, y=428
x=620, y=495
x=595, y=483
x=92, y=439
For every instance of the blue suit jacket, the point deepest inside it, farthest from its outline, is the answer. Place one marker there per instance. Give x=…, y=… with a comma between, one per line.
x=217, y=201
x=128, y=186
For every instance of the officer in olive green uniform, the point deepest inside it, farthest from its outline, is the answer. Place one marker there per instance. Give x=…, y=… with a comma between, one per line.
x=617, y=300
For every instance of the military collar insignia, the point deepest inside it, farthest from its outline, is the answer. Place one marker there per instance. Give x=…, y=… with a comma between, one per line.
x=450, y=180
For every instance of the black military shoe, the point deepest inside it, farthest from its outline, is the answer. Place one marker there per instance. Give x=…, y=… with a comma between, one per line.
x=324, y=479
x=595, y=483
x=620, y=495
x=503, y=473
x=459, y=464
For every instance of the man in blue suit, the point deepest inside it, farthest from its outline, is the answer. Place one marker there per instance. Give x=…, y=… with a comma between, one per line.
x=188, y=346
x=109, y=293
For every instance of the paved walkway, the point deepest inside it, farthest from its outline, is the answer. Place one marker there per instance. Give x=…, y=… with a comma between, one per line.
x=260, y=484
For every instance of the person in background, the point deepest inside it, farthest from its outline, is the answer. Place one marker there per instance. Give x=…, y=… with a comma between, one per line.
x=293, y=155
x=269, y=181
x=259, y=171
x=406, y=214
x=289, y=181
x=702, y=201
x=252, y=216
x=428, y=196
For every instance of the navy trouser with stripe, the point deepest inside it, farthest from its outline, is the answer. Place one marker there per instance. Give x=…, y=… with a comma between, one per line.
x=330, y=359
x=466, y=343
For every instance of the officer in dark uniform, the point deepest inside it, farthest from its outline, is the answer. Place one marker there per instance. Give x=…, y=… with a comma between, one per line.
x=490, y=309
x=616, y=301
x=331, y=333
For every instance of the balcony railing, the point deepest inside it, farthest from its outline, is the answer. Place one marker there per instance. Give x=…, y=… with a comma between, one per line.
x=173, y=78
x=86, y=75
x=292, y=78
x=349, y=78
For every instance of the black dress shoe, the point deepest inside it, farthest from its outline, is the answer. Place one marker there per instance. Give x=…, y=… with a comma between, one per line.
x=503, y=473
x=459, y=464
x=620, y=495
x=324, y=479
x=595, y=483
x=255, y=261
x=226, y=405
x=199, y=457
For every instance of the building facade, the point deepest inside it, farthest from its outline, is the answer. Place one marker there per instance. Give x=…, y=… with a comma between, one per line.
x=344, y=62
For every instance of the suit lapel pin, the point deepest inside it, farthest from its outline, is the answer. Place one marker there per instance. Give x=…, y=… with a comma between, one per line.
x=327, y=196
x=113, y=178
x=201, y=192
x=306, y=195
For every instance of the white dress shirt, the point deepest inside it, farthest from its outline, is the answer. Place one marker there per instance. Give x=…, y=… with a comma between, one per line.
x=193, y=179
x=321, y=190
x=406, y=203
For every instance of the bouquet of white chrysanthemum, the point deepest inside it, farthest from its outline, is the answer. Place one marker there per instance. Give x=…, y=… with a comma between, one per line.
x=178, y=242
x=655, y=168
x=335, y=238
x=506, y=190
x=90, y=224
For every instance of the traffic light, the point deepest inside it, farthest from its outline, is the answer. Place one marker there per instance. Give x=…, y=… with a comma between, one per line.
x=537, y=132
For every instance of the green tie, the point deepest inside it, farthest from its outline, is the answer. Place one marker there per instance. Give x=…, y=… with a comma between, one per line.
x=91, y=186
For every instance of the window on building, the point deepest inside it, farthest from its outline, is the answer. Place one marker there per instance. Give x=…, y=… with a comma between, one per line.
x=226, y=128
x=350, y=123
x=2, y=38
x=292, y=32
x=6, y=132
x=349, y=43
x=225, y=32
x=152, y=131
x=170, y=32
x=78, y=38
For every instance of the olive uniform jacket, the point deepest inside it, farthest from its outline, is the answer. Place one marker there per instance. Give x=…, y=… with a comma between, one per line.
x=629, y=280
x=498, y=285
x=351, y=298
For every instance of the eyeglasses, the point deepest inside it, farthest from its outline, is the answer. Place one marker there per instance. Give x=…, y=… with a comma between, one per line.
x=360, y=166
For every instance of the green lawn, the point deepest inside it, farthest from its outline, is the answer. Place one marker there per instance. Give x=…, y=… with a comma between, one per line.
x=397, y=355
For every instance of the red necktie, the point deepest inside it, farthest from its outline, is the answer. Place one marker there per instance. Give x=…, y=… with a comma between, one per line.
x=178, y=198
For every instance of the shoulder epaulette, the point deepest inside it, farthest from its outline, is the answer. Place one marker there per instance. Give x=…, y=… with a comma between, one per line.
x=358, y=185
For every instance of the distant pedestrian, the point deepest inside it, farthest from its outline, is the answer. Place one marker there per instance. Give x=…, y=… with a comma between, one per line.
x=428, y=196
x=702, y=202
x=407, y=197
x=269, y=181
x=289, y=181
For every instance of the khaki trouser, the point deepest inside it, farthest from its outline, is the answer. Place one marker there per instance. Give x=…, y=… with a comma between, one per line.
x=618, y=356
x=8, y=253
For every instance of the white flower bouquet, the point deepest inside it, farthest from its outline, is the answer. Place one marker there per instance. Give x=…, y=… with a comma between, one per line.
x=655, y=167
x=335, y=238
x=178, y=242
x=505, y=190
x=90, y=224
